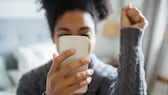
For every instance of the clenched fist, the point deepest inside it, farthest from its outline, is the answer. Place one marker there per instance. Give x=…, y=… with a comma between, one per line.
x=132, y=17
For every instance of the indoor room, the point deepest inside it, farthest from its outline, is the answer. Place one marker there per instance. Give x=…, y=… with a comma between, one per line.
x=26, y=42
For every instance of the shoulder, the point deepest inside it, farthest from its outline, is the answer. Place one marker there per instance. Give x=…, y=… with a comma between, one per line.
x=34, y=80
x=37, y=72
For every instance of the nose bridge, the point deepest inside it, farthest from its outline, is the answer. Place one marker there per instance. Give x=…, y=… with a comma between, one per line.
x=75, y=32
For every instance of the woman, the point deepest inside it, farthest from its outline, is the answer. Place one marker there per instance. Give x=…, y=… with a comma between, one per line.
x=80, y=17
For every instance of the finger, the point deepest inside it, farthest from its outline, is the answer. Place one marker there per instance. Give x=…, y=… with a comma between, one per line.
x=138, y=15
x=74, y=65
x=53, y=61
x=79, y=77
x=139, y=25
x=124, y=19
x=144, y=20
x=138, y=12
x=124, y=10
x=131, y=14
x=129, y=6
x=143, y=23
x=58, y=60
x=137, y=19
x=134, y=15
x=79, y=85
x=123, y=13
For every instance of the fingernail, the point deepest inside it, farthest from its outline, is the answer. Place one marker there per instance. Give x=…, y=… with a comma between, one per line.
x=129, y=5
x=89, y=79
x=86, y=60
x=90, y=71
x=54, y=55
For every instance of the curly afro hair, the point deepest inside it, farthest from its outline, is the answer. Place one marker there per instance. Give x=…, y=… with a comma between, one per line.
x=99, y=9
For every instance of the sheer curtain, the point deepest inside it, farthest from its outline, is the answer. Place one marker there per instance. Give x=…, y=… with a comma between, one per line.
x=160, y=85
x=156, y=13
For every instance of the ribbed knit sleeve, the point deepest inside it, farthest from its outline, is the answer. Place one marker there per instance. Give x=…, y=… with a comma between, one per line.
x=131, y=75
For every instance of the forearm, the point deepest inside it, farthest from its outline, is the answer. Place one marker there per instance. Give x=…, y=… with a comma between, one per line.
x=131, y=75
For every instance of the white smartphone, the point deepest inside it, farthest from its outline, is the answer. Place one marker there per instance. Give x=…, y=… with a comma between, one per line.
x=81, y=46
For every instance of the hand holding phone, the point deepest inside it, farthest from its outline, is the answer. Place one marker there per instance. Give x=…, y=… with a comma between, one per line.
x=81, y=45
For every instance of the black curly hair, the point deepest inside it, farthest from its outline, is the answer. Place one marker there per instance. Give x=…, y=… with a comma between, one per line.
x=99, y=9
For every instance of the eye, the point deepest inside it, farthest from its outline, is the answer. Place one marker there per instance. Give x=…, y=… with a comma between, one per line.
x=85, y=35
x=63, y=35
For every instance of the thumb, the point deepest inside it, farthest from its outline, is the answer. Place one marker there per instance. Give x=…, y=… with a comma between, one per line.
x=54, y=66
x=125, y=22
x=141, y=25
x=123, y=14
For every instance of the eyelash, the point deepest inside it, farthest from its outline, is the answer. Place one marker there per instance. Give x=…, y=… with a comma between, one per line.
x=85, y=35
x=70, y=34
x=63, y=35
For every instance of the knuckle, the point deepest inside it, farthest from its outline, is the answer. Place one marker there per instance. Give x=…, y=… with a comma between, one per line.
x=137, y=18
x=135, y=9
x=84, y=74
x=66, y=53
x=49, y=73
x=77, y=76
x=142, y=19
x=81, y=75
x=83, y=83
x=57, y=60
x=69, y=66
x=50, y=79
x=82, y=63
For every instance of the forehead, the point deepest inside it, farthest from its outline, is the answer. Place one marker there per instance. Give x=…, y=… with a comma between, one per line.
x=76, y=18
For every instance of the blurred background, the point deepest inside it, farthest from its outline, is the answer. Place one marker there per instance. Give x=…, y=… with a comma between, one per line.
x=25, y=41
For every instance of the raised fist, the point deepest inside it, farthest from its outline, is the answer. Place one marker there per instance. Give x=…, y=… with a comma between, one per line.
x=132, y=17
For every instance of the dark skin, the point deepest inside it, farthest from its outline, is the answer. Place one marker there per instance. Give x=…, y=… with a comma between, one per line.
x=81, y=23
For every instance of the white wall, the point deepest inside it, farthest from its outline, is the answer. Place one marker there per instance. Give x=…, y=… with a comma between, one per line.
x=20, y=9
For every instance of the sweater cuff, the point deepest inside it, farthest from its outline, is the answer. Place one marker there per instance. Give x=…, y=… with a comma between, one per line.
x=44, y=93
x=131, y=37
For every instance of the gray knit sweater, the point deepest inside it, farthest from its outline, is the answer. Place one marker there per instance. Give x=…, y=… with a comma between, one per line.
x=128, y=79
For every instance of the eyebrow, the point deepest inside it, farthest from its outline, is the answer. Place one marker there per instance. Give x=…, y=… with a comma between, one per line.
x=68, y=30
x=63, y=29
x=84, y=28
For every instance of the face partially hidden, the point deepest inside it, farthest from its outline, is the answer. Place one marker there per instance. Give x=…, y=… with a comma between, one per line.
x=75, y=23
